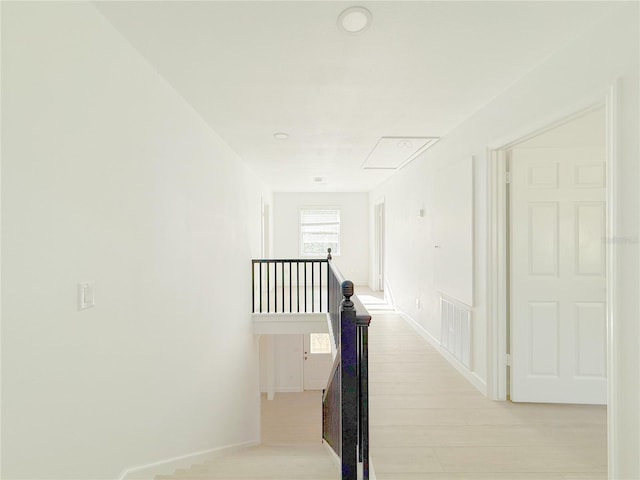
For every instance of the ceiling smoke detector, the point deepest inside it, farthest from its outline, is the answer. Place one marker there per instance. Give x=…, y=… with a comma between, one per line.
x=354, y=20
x=281, y=135
x=318, y=179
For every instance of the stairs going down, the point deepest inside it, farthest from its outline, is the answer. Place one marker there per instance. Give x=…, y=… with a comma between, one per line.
x=285, y=462
x=291, y=447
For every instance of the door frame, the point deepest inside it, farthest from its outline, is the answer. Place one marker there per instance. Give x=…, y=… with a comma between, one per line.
x=307, y=353
x=497, y=296
x=379, y=240
x=265, y=228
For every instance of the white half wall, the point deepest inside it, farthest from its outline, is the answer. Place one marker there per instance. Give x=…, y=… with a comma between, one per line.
x=109, y=176
x=580, y=72
x=353, y=260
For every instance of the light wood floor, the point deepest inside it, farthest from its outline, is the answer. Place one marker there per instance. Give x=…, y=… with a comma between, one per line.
x=291, y=446
x=427, y=422
x=292, y=419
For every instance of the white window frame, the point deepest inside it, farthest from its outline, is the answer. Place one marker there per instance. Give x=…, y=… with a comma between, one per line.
x=300, y=243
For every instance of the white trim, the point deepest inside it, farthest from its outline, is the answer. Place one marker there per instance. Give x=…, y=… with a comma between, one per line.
x=269, y=343
x=334, y=456
x=496, y=249
x=289, y=323
x=611, y=112
x=388, y=293
x=289, y=389
x=168, y=466
x=372, y=471
x=265, y=227
x=336, y=460
x=1, y=291
x=283, y=390
x=338, y=208
x=550, y=121
x=496, y=276
x=471, y=376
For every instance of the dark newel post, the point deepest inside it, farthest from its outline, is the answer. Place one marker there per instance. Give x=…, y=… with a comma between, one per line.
x=328, y=280
x=349, y=389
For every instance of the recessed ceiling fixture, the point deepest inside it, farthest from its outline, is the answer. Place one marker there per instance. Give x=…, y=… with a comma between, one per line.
x=281, y=135
x=354, y=20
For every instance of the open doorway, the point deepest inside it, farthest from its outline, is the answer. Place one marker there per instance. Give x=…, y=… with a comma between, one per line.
x=591, y=318
x=556, y=316
x=317, y=360
x=378, y=260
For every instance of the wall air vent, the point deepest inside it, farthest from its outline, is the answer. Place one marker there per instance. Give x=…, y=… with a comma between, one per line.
x=393, y=153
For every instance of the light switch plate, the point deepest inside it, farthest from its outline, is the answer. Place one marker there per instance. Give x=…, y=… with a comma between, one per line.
x=86, y=295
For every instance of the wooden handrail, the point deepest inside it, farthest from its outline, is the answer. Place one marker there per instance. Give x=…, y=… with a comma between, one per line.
x=345, y=400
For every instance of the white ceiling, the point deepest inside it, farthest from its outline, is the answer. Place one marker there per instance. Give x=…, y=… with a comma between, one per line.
x=252, y=69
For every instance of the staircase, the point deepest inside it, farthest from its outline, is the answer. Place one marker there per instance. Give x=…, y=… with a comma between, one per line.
x=291, y=448
x=285, y=291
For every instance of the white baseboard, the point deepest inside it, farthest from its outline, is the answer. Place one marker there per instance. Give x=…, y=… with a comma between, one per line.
x=168, y=466
x=334, y=456
x=336, y=459
x=284, y=390
x=471, y=377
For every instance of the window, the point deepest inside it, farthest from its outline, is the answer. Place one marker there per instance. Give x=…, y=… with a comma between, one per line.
x=320, y=343
x=319, y=230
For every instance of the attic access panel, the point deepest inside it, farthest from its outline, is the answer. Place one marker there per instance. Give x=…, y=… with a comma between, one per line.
x=393, y=153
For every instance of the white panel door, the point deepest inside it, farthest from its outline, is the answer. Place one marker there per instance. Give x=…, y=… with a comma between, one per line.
x=558, y=314
x=317, y=360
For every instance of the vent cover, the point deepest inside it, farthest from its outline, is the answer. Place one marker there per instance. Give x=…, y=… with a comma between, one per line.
x=456, y=330
x=393, y=153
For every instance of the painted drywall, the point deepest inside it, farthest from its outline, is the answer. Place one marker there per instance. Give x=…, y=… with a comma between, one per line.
x=580, y=71
x=109, y=176
x=453, y=230
x=353, y=260
x=287, y=362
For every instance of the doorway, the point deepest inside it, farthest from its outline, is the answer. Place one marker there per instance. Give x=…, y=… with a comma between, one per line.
x=317, y=360
x=498, y=296
x=265, y=229
x=556, y=315
x=378, y=261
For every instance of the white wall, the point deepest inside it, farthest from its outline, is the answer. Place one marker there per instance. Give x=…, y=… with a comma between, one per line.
x=287, y=361
x=108, y=175
x=581, y=70
x=353, y=260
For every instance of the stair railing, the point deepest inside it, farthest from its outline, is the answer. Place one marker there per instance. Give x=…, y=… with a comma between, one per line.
x=345, y=401
x=290, y=286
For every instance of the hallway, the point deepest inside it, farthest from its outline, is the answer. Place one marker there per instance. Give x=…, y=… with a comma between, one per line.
x=427, y=422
